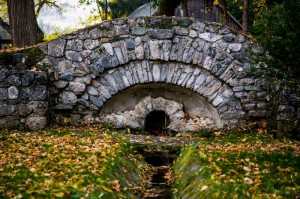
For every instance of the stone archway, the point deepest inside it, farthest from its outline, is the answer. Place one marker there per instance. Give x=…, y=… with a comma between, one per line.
x=92, y=66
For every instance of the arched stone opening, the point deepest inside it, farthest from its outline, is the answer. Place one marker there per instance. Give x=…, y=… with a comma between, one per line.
x=157, y=122
x=186, y=110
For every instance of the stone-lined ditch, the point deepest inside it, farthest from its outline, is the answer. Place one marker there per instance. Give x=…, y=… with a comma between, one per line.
x=159, y=152
x=159, y=180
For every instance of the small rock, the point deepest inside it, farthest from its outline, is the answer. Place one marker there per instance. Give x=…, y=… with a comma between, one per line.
x=68, y=98
x=83, y=102
x=68, y=76
x=235, y=47
x=60, y=84
x=13, y=92
x=77, y=87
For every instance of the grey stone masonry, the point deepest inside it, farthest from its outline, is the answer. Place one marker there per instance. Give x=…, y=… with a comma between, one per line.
x=23, y=100
x=87, y=68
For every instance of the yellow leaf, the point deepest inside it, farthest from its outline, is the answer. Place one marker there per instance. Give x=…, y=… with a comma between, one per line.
x=59, y=195
x=106, y=189
x=216, y=2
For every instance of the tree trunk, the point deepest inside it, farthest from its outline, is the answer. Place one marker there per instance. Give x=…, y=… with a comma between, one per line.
x=24, y=28
x=225, y=12
x=245, y=15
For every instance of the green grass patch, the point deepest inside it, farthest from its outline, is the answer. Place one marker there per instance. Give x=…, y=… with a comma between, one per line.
x=68, y=163
x=238, y=166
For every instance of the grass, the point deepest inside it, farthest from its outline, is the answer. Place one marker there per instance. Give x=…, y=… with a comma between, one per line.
x=239, y=166
x=96, y=162
x=68, y=163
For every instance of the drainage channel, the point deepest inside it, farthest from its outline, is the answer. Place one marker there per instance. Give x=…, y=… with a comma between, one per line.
x=159, y=180
x=158, y=151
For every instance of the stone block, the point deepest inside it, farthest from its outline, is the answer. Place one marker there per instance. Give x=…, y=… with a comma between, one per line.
x=75, y=45
x=83, y=102
x=73, y=56
x=67, y=76
x=60, y=84
x=68, y=98
x=14, y=80
x=6, y=110
x=235, y=47
x=35, y=123
x=24, y=110
x=3, y=94
x=56, y=48
x=161, y=33
x=91, y=44
x=38, y=108
x=27, y=79
x=77, y=87
x=40, y=79
x=13, y=93
x=218, y=100
x=156, y=72
x=9, y=122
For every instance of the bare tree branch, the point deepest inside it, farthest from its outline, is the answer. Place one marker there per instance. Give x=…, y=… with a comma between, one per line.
x=41, y=3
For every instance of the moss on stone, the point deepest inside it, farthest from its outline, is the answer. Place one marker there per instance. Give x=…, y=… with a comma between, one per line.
x=34, y=55
x=6, y=58
x=117, y=38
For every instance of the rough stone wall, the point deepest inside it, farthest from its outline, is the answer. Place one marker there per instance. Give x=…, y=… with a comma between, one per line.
x=23, y=99
x=89, y=67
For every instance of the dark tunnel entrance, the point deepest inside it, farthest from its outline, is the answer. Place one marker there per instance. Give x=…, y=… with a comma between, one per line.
x=156, y=123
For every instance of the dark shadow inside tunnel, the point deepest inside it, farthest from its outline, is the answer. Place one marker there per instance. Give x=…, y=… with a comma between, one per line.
x=156, y=123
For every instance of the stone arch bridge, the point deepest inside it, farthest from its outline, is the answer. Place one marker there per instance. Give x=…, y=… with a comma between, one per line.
x=119, y=71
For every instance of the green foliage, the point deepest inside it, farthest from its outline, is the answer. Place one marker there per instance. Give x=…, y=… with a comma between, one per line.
x=116, y=8
x=277, y=31
x=123, y=8
x=3, y=10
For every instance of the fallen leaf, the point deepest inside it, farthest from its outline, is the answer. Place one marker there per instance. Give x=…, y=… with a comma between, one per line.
x=248, y=180
x=203, y=188
x=246, y=169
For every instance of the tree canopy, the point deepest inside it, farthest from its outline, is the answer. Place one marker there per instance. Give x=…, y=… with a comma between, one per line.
x=277, y=31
